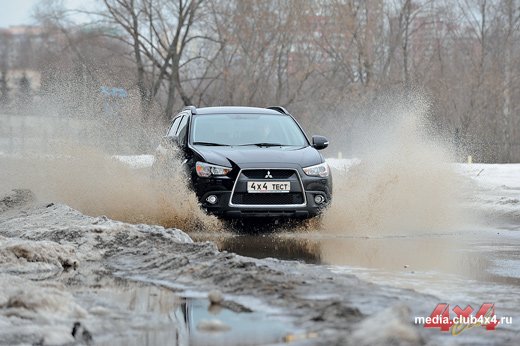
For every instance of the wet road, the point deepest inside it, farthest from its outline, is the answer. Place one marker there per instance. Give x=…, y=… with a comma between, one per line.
x=488, y=256
x=464, y=267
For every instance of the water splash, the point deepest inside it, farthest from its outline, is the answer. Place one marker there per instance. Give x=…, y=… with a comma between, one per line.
x=404, y=181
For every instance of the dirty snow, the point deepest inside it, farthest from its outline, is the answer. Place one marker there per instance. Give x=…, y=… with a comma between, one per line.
x=89, y=267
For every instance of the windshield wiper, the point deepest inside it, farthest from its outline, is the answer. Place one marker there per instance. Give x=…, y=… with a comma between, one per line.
x=210, y=144
x=263, y=144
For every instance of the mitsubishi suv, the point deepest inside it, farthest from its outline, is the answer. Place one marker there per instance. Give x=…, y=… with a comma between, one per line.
x=247, y=162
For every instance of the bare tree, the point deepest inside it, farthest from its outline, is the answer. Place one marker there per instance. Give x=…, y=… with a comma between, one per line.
x=310, y=55
x=5, y=51
x=511, y=13
x=163, y=36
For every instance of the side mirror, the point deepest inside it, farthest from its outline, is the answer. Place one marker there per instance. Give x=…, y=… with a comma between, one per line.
x=319, y=142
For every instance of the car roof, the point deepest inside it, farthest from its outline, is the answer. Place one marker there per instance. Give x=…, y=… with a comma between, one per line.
x=237, y=110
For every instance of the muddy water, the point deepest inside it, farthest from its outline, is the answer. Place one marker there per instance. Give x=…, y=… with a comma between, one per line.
x=459, y=268
x=97, y=184
x=485, y=255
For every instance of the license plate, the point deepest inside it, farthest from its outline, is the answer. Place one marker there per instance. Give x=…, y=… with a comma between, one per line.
x=268, y=186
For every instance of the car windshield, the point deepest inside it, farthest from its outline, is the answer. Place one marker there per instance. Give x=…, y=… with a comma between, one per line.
x=246, y=129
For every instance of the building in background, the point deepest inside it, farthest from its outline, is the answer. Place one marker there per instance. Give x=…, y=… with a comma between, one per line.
x=20, y=78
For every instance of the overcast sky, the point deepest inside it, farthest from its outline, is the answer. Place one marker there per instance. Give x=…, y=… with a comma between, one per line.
x=16, y=12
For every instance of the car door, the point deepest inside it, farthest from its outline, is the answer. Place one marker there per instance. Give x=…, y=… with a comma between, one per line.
x=169, y=140
x=181, y=134
x=181, y=139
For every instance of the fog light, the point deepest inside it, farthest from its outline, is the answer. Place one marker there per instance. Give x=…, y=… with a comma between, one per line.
x=211, y=199
x=319, y=199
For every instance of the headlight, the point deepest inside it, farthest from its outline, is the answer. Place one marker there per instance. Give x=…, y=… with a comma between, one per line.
x=206, y=170
x=321, y=170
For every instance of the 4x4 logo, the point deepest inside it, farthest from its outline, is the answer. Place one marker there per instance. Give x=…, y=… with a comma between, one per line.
x=440, y=318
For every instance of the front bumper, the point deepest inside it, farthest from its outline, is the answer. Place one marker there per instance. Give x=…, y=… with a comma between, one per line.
x=233, y=200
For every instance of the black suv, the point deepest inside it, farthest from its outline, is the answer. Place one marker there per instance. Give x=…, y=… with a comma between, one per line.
x=246, y=162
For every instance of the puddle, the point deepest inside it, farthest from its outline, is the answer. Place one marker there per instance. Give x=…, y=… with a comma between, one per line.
x=472, y=255
x=460, y=268
x=264, y=246
x=151, y=315
x=246, y=328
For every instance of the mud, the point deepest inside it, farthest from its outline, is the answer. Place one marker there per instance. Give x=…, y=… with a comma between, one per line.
x=109, y=258
x=109, y=282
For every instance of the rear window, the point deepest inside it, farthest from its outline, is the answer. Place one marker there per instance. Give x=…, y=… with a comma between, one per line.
x=238, y=129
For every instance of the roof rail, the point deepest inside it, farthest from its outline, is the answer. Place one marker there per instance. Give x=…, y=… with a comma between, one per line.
x=279, y=109
x=192, y=109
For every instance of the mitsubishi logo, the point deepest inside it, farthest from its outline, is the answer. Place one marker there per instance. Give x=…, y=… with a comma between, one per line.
x=268, y=175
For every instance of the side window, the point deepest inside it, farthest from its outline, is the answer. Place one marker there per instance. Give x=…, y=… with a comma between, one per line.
x=174, y=126
x=182, y=131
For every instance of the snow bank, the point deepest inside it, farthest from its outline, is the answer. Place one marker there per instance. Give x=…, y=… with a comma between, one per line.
x=40, y=309
x=502, y=176
x=27, y=299
x=26, y=255
x=497, y=191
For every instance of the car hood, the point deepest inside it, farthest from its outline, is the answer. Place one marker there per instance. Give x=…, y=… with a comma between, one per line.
x=226, y=156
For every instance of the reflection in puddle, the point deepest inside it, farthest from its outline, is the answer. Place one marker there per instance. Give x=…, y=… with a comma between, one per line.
x=263, y=246
x=246, y=328
x=157, y=316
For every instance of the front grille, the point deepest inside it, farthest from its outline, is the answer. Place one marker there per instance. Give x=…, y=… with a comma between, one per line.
x=295, y=197
x=275, y=173
x=268, y=198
